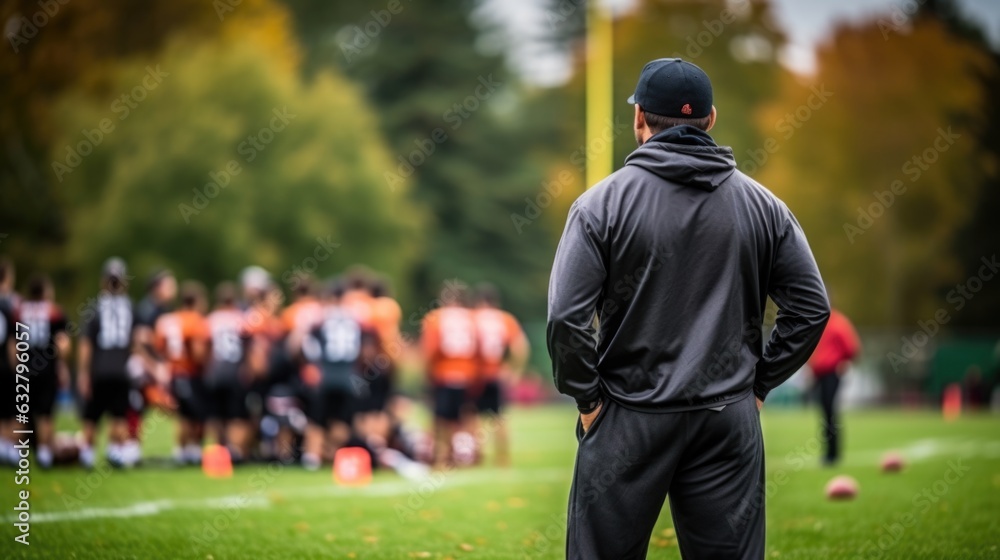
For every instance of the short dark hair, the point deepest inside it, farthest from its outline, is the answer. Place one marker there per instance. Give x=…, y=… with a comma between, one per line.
x=157, y=276
x=192, y=294
x=336, y=288
x=488, y=294
x=39, y=286
x=456, y=292
x=659, y=123
x=226, y=294
x=303, y=284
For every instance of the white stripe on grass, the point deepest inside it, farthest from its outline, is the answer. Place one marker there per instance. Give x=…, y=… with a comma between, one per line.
x=914, y=452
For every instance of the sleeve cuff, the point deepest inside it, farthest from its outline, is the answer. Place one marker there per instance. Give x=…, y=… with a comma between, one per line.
x=587, y=402
x=760, y=393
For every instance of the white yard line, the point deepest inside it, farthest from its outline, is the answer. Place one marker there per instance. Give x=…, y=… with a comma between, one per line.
x=914, y=452
x=258, y=498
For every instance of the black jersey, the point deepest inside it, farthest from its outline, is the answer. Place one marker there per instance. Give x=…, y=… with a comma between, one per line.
x=228, y=342
x=110, y=332
x=335, y=345
x=45, y=320
x=148, y=311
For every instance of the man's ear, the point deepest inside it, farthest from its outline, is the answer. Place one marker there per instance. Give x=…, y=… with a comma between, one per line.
x=640, y=118
x=711, y=119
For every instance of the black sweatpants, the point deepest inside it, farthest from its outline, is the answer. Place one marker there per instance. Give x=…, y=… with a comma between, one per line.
x=711, y=464
x=828, y=385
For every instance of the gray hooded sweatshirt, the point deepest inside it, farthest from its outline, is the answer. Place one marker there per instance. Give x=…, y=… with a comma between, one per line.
x=675, y=255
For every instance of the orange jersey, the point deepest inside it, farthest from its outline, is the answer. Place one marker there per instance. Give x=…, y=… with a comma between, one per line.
x=450, y=346
x=386, y=316
x=496, y=330
x=175, y=332
x=302, y=315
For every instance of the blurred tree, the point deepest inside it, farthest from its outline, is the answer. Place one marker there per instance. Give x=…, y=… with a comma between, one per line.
x=980, y=237
x=457, y=122
x=52, y=47
x=736, y=43
x=884, y=164
x=231, y=160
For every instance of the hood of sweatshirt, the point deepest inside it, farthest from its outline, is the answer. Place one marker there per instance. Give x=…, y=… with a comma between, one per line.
x=685, y=155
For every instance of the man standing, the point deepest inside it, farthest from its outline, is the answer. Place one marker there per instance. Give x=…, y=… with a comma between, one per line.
x=48, y=346
x=161, y=290
x=675, y=255
x=451, y=354
x=102, y=376
x=182, y=337
x=831, y=360
x=503, y=349
x=225, y=374
x=334, y=345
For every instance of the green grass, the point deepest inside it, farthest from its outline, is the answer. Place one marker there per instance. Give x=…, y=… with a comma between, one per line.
x=284, y=512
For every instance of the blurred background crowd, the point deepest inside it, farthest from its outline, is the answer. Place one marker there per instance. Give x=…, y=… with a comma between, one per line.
x=255, y=375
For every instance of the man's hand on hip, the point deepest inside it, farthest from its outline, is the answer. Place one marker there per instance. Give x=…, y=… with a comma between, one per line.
x=587, y=420
x=760, y=403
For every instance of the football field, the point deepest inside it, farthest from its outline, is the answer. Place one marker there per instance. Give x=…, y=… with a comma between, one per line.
x=945, y=503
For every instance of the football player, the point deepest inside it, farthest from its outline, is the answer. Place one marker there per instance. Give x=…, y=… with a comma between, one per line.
x=161, y=291
x=451, y=354
x=182, y=337
x=226, y=378
x=48, y=344
x=503, y=350
x=379, y=366
x=102, y=378
x=334, y=346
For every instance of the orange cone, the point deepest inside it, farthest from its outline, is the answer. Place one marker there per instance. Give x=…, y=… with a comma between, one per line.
x=216, y=462
x=352, y=466
x=951, y=405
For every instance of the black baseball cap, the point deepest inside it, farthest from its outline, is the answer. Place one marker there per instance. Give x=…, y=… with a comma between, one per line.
x=673, y=88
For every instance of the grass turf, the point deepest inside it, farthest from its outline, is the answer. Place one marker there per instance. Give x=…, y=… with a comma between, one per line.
x=950, y=490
